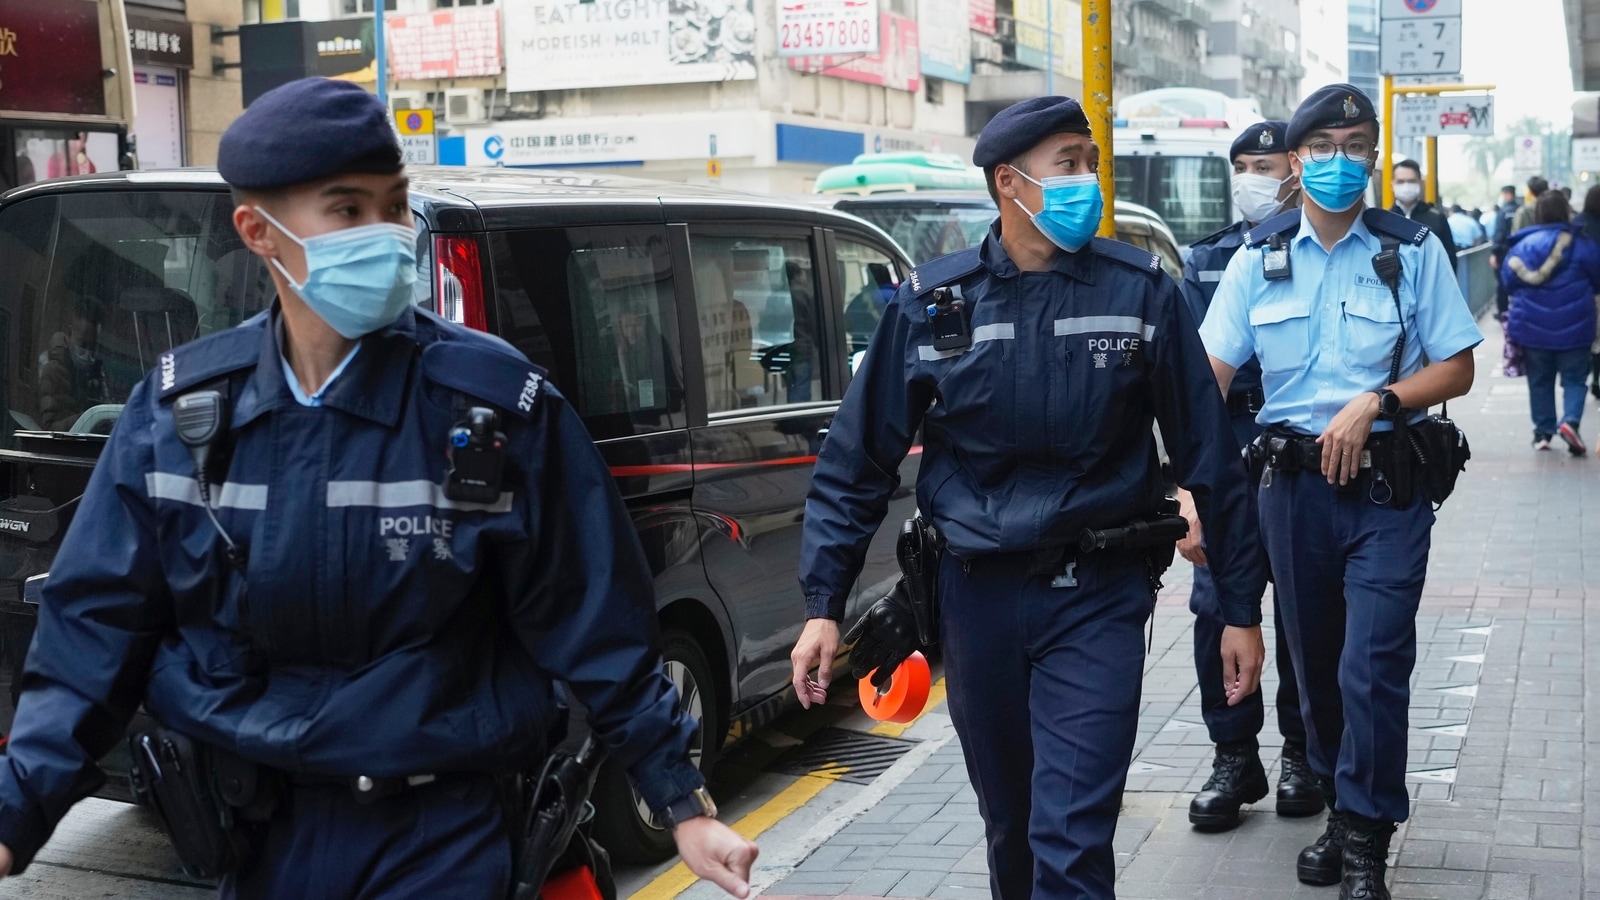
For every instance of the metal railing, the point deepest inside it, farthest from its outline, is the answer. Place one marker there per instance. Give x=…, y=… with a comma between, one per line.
x=1478, y=280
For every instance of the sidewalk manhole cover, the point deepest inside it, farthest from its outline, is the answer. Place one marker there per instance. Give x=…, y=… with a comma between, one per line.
x=854, y=756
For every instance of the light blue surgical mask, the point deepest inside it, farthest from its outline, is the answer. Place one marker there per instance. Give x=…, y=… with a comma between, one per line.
x=1072, y=209
x=1335, y=185
x=358, y=280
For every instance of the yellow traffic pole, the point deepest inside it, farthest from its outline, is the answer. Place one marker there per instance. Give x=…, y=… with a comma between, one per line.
x=1432, y=189
x=1097, y=99
x=1386, y=113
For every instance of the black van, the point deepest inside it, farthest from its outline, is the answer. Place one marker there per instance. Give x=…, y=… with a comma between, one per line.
x=700, y=333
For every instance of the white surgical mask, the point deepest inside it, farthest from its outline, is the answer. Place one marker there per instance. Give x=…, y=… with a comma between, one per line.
x=1407, y=192
x=1256, y=196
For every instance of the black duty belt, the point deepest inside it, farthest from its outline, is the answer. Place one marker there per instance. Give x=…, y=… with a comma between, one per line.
x=1247, y=402
x=367, y=788
x=1296, y=453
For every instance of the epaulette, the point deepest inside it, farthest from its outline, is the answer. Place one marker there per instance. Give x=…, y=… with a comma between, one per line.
x=1216, y=237
x=947, y=269
x=488, y=371
x=210, y=357
x=1128, y=254
x=1285, y=223
x=1402, y=229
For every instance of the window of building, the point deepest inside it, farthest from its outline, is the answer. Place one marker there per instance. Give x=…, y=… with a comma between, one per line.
x=355, y=7
x=449, y=4
x=757, y=304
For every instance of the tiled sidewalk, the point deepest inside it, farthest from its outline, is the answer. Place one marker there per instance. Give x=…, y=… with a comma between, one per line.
x=1502, y=720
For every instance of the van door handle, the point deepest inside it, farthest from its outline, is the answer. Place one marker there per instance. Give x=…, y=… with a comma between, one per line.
x=822, y=433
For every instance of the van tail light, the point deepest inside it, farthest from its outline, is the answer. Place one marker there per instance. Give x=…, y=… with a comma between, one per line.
x=458, y=281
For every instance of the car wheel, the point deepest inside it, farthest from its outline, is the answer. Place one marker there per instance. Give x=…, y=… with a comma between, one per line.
x=624, y=824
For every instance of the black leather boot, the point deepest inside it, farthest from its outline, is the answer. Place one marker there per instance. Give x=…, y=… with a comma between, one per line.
x=1237, y=778
x=1366, y=854
x=1323, y=862
x=1298, y=793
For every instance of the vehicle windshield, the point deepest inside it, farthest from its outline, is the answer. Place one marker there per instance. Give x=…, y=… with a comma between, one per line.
x=97, y=286
x=1191, y=193
x=927, y=232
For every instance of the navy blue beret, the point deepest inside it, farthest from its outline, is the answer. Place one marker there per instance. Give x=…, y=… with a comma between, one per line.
x=1334, y=106
x=1261, y=139
x=1014, y=130
x=307, y=130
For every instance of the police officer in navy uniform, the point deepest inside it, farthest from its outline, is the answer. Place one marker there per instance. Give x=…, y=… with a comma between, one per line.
x=1035, y=366
x=1262, y=187
x=311, y=598
x=1310, y=296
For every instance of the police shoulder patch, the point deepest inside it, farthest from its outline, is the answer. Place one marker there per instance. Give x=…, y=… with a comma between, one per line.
x=498, y=375
x=947, y=269
x=1285, y=223
x=210, y=357
x=1127, y=254
x=1391, y=224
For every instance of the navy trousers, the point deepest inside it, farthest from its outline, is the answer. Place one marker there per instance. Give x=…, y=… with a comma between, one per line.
x=1349, y=573
x=446, y=839
x=1239, y=724
x=1044, y=693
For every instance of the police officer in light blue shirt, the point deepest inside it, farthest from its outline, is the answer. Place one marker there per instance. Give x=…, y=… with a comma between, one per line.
x=1309, y=299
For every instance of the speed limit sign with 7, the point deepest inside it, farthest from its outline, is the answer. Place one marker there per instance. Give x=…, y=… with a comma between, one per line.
x=1423, y=46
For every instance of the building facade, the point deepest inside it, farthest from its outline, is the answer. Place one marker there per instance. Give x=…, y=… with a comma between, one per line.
x=1363, y=49
x=1255, y=52
x=1324, y=43
x=691, y=91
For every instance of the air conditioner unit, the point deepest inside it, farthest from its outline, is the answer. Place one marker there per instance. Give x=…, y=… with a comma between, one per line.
x=399, y=100
x=465, y=106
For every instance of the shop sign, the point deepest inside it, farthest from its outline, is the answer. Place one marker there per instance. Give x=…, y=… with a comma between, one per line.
x=160, y=42
x=50, y=57
x=450, y=43
x=607, y=140
x=277, y=53
x=552, y=46
x=896, y=65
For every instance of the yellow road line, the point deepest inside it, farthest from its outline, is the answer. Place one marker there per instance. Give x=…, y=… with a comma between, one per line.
x=678, y=879
x=895, y=729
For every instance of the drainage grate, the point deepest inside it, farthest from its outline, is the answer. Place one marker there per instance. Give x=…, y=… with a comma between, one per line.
x=853, y=756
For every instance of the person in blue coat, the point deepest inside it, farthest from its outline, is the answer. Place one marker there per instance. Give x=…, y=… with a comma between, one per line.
x=1552, y=274
x=1034, y=366
x=1345, y=307
x=321, y=598
x=1263, y=186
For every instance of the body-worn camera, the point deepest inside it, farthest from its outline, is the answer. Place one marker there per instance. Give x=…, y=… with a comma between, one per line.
x=477, y=458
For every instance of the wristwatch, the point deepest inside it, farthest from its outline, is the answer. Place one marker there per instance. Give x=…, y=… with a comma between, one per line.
x=697, y=802
x=1388, y=403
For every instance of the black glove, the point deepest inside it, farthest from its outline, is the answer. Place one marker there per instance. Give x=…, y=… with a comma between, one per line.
x=883, y=637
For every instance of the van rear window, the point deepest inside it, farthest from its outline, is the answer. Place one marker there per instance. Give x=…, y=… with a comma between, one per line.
x=96, y=286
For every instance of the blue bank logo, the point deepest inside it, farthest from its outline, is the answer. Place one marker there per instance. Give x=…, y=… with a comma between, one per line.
x=494, y=148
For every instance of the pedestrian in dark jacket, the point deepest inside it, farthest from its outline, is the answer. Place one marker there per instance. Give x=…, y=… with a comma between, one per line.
x=1408, y=202
x=1505, y=213
x=1552, y=274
